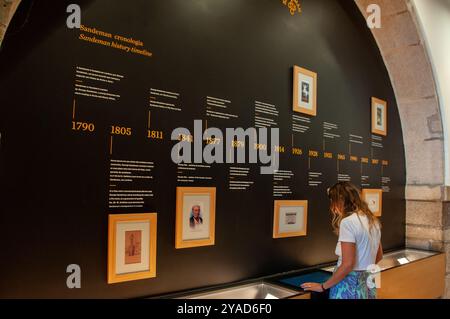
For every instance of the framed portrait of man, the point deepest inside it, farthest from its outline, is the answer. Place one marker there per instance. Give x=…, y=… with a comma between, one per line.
x=290, y=218
x=195, y=217
x=131, y=247
x=305, y=91
x=374, y=198
x=379, y=117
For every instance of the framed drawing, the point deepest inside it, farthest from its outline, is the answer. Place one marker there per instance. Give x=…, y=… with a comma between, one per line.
x=305, y=91
x=290, y=218
x=195, y=217
x=374, y=198
x=379, y=117
x=131, y=247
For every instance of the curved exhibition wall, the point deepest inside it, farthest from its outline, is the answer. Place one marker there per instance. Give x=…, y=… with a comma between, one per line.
x=86, y=117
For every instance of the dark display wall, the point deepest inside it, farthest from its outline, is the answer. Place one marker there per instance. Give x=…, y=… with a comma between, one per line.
x=56, y=175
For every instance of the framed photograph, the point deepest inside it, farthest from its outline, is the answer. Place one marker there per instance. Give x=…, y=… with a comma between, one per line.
x=374, y=198
x=305, y=91
x=195, y=217
x=379, y=117
x=131, y=247
x=290, y=218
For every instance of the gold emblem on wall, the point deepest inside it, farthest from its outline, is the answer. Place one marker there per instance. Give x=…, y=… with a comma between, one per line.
x=293, y=6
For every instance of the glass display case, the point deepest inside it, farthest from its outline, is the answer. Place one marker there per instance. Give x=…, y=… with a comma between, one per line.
x=403, y=257
x=397, y=258
x=295, y=281
x=283, y=286
x=396, y=280
x=257, y=290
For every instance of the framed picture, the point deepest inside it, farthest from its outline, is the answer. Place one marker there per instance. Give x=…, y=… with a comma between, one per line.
x=305, y=91
x=290, y=218
x=379, y=117
x=374, y=198
x=131, y=247
x=195, y=217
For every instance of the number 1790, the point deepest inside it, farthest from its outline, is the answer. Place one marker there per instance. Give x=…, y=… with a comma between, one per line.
x=83, y=126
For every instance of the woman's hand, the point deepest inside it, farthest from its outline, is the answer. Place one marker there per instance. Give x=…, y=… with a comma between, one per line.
x=312, y=286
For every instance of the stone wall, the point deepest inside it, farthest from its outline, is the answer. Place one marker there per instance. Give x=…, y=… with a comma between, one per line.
x=7, y=10
x=407, y=61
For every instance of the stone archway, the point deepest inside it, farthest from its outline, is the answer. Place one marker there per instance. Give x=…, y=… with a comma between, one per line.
x=403, y=50
x=7, y=10
x=405, y=55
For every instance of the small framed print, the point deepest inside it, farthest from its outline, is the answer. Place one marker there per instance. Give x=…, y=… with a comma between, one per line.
x=195, y=217
x=290, y=218
x=131, y=247
x=374, y=198
x=379, y=117
x=305, y=91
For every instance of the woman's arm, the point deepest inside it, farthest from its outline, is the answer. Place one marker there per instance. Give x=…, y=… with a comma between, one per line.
x=348, y=262
x=379, y=254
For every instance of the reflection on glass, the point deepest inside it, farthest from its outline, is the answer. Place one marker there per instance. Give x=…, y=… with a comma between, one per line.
x=259, y=290
x=398, y=258
x=403, y=261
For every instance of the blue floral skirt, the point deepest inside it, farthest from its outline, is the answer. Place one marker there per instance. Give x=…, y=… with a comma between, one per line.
x=354, y=286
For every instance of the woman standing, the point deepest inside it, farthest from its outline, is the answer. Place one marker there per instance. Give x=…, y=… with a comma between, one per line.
x=359, y=245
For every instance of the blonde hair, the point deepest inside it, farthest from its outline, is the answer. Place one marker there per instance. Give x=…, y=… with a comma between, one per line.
x=346, y=199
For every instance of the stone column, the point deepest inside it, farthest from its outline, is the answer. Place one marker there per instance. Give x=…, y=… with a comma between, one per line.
x=428, y=221
x=405, y=55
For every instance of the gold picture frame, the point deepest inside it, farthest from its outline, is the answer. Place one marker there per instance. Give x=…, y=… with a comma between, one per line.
x=374, y=198
x=305, y=91
x=131, y=247
x=195, y=217
x=379, y=117
x=292, y=223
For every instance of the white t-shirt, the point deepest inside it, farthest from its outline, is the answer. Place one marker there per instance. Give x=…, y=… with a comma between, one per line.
x=355, y=229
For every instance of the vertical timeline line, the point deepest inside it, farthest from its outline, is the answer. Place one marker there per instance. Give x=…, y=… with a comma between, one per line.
x=73, y=109
x=111, y=146
x=149, y=119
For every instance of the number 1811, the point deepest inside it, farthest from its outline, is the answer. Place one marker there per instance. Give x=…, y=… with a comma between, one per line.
x=155, y=135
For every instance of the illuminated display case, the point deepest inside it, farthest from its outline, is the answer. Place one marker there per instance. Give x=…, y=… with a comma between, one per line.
x=404, y=257
x=410, y=274
x=398, y=258
x=405, y=274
